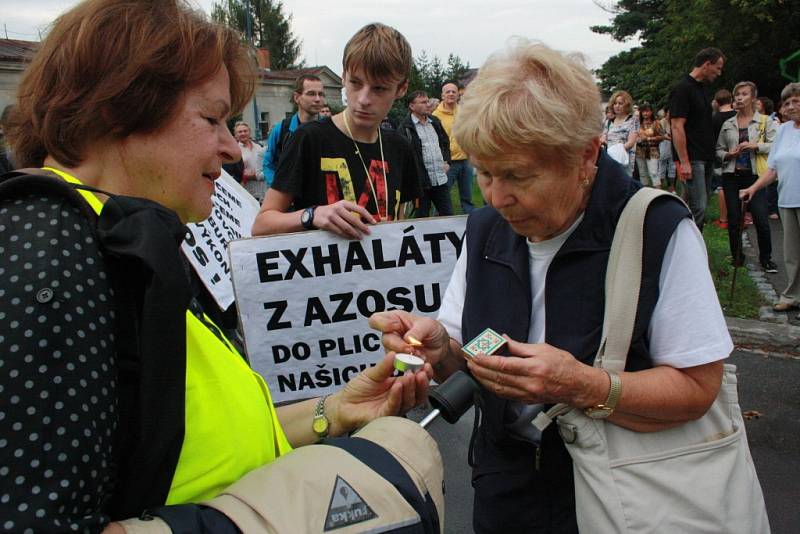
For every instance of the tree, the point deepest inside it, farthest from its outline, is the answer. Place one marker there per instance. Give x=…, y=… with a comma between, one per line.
x=269, y=25
x=753, y=34
x=429, y=74
x=455, y=68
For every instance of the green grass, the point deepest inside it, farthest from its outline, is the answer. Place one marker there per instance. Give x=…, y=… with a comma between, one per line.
x=746, y=297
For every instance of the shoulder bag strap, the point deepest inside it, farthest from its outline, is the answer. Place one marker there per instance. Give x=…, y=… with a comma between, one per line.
x=623, y=282
x=762, y=129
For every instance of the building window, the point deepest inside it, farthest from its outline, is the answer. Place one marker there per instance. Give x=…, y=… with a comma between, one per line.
x=263, y=124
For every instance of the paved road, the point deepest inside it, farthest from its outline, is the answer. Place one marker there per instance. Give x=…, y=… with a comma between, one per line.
x=767, y=384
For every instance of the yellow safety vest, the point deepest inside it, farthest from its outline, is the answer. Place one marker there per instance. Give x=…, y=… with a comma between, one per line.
x=231, y=426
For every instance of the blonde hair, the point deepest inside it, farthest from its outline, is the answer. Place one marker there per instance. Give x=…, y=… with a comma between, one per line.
x=627, y=100
x=381, y=51
x=529, y=97
x=753, y=91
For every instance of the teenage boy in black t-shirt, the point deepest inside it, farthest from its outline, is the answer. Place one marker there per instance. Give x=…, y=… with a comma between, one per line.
x=322, y=171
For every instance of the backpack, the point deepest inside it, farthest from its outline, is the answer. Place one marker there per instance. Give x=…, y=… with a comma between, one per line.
x=388, y=477
x=151, y=295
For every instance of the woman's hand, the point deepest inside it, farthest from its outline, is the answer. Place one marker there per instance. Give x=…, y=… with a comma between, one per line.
x=343, y=218
x=376, y=393
x=402, y=330
x=733, y=153
x=747, y=146
x=540, y=373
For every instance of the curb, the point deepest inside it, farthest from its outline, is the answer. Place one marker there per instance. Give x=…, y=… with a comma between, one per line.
x=770, y=337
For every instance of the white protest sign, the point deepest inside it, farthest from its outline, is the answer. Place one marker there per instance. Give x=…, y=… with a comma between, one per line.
x=304, y=298
x=232, y=218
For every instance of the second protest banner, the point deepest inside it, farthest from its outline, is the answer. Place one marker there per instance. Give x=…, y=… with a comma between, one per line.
x=304, y=298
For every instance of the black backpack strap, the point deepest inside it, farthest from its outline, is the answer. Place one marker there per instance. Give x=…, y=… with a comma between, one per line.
x=285, y=133
x=382, y=462
x=27, y=181
x=139, y=240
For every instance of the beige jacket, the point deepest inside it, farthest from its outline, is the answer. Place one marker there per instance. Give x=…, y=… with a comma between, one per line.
x=729, y=138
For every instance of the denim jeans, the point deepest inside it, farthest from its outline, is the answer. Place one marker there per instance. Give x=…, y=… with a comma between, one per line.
x=461, y=172
x=696, y=194
x=666, y=172
x=731, y=184
x=439, y=195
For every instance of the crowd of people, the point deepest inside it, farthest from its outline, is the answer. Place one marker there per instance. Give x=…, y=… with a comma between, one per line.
x=716, y=145
x=439, y=163
x=115, y=384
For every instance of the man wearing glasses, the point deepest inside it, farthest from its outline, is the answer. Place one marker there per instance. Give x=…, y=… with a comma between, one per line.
x=309, y=97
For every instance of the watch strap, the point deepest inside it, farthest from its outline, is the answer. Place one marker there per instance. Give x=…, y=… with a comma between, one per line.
x=614, y=391
x=601, y=411
x=307, y=219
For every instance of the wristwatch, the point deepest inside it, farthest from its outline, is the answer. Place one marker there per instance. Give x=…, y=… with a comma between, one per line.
x=601, y=411
x=320, y=423
x=307, y=218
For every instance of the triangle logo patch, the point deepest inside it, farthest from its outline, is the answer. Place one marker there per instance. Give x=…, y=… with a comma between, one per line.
x=346, y=507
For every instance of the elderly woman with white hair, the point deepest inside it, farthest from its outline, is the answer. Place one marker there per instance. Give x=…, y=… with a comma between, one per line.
x=784, y=165
x=533, y=267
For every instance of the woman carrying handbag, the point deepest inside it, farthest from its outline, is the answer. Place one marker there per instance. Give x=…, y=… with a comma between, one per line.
x=743, y=144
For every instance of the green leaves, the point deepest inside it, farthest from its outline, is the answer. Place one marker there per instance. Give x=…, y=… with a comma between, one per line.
x=754, y=35
x=268, y=25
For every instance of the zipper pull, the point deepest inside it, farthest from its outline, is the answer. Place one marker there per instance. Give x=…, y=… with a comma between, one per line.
x=537, y=458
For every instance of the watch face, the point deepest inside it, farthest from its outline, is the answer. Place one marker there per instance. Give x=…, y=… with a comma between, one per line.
x=320, y=425
x=305, y=217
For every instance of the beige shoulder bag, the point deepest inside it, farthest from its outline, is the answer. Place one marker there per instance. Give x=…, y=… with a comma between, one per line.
x=698, y=477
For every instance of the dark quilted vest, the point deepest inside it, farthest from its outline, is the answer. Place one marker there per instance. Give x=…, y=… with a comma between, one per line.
x=499, y=296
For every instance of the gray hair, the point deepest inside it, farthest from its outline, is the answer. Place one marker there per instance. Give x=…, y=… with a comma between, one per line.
x=792, y=89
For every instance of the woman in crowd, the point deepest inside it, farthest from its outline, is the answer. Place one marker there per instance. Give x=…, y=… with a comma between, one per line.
x=117, y=393
x=741, y=138
x=624, y=129
x=666, y=165
x=647, y=147
x=784, y=165
x=609, y=114
x=543, y=244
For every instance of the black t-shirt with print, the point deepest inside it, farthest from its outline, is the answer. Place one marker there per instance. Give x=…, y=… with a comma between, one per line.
x=689, y=100
x=320, y=166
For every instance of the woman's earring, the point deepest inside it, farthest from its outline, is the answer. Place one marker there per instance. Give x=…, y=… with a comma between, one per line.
x=590, y=178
